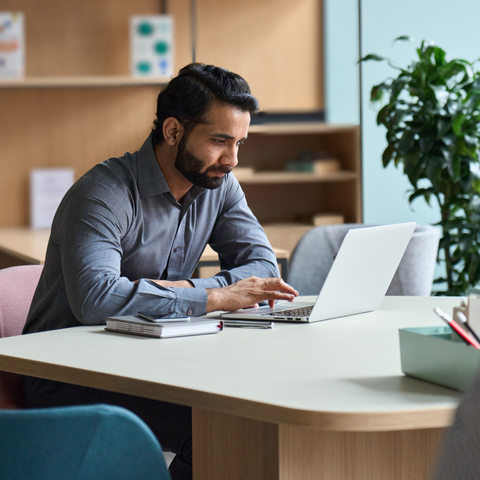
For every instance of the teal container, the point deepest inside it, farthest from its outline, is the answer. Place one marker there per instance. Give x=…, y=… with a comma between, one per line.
x=431, y=354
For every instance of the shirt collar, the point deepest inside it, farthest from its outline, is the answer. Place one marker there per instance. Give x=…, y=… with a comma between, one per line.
x=151, y=180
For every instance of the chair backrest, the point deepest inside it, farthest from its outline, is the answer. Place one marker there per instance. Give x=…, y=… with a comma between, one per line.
x=414, y=276
x=78, y=443
x=313, y=257
x=458, y=456
x=17, y=286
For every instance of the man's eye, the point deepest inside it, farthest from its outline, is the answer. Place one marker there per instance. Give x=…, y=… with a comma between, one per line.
x=219, y=141
x=240, y=142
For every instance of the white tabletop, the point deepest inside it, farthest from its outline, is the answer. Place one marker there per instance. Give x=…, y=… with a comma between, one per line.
x=342, y=374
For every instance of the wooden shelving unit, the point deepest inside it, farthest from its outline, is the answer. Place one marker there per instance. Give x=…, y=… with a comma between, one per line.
x=78, y=105
x=290, y=199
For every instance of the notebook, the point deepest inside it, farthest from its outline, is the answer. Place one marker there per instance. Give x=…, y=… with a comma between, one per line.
x=167, y=329
x=357, y=282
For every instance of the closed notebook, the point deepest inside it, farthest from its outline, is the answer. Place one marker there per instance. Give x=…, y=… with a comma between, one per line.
x=136, y=326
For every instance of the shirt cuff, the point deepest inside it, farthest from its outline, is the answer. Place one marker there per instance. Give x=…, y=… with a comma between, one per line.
x=190, y=302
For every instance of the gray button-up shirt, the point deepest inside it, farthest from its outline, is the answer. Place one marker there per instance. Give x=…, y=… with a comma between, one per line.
x=120, y=226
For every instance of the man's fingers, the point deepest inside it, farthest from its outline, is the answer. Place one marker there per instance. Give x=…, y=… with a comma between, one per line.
x=271, y=295
x=278, y=284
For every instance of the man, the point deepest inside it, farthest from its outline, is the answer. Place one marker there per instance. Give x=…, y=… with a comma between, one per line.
x=128, y=235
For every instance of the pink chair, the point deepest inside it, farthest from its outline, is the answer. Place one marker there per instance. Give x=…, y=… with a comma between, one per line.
x=17, y=286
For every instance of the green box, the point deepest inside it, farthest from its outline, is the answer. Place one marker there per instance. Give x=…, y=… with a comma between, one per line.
x=431, y=354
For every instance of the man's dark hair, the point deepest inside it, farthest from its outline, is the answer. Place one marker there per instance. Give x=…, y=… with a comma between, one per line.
x=188, y=96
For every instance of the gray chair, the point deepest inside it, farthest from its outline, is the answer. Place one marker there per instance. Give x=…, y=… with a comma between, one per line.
x=458, y=458
x=313, y=257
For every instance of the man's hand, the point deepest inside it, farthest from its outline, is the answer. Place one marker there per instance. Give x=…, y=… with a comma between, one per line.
x=248, y=292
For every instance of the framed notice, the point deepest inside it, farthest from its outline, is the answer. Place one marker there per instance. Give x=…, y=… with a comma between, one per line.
x=12, y=45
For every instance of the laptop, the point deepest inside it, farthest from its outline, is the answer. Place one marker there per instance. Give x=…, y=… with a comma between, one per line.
x=357, y=282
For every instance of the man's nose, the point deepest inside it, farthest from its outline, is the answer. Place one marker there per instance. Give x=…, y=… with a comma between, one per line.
x=230, y=158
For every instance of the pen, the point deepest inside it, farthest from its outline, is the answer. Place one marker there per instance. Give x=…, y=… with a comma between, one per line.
x=463, y=319
x=247, y=324
x=457, y=328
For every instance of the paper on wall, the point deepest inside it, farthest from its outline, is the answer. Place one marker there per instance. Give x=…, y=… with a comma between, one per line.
x=47, y=188
x=151, y=43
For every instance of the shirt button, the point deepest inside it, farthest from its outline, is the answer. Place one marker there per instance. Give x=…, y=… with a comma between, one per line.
x=189, y=312
x=175, y=250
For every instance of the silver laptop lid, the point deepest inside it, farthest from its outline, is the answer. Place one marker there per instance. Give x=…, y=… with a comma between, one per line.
x=362, y=271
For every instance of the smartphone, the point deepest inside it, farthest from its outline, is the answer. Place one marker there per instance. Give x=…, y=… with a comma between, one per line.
x=163, y=319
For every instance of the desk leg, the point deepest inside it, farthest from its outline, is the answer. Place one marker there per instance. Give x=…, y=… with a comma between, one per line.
x=226, y=447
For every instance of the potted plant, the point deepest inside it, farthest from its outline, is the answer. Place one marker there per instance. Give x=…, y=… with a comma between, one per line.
x=431, y=111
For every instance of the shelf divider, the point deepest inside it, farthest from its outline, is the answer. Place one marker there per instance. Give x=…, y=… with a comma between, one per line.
x=295, y=177
x=82, y=82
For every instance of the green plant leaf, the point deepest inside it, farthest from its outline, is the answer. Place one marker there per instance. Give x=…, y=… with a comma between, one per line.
x=443, y=124
x=406, y=143
x=372, y=56
x=457, y=123
x=421, y=192
x=383, y=115
x=388, y=155
x=427, y=141
x=439, y=55
x=403, y=38
x=376, y=94
x=397, y=86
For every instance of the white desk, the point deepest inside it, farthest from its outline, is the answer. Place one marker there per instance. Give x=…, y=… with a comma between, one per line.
x=300, y=402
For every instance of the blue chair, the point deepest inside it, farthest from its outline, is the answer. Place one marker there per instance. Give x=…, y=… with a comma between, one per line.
x=78, y=443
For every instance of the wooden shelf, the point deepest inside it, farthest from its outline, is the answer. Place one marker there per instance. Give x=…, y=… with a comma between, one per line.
x=296, y=177
x=82, y=82
x=298, y=128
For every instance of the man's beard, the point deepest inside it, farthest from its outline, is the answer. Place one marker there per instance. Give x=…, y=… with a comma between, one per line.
x=190, y=166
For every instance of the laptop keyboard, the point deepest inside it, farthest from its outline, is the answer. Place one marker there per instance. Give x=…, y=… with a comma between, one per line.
x=294, y=312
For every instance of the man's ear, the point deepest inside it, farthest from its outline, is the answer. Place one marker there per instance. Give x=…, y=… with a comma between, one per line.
x=172, y=131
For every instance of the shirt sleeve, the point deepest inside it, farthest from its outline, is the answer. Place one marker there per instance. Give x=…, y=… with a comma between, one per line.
x=240, y=242
x=90, y=232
